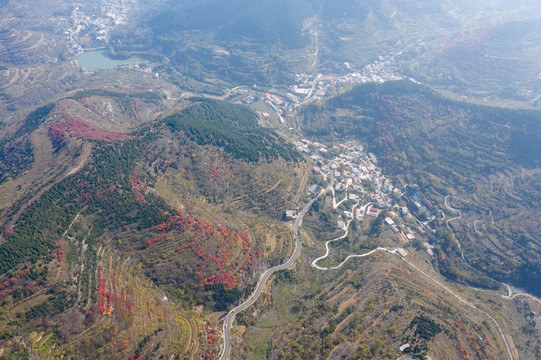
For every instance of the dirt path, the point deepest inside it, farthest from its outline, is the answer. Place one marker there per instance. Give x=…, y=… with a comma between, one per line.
x=337, y=204
x=451, y=230
x=14, y=74
x=37, y=43
x=87, y=151
x=273, y=187
x=43, y=151
x=302, y=186
x=475, y=228
x=431, y=278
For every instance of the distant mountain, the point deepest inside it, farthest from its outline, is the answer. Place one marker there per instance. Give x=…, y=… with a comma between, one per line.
x=240, y=41
x=262, y=22
x=455, y=45
x=495, y=61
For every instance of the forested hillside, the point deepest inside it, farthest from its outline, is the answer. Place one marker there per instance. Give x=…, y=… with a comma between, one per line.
x=192, y=201
x=411, y=126
x=248, y=176
x=233, y=128
x=16, y=153
x=261, y=22
x=486, y=157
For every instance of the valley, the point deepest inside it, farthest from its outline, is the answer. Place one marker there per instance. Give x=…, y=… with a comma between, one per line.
x=287, y=180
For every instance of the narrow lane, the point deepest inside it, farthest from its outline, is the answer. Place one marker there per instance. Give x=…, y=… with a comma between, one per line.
x=228, y=321
x=396, y=252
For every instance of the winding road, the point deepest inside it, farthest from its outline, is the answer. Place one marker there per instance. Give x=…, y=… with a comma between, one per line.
x=437, y=282
x=451, y=230
x=464, y=301
x=513, y=294
x=431, y=278
x=392, y=251
x=228, y=321
x=266, y=275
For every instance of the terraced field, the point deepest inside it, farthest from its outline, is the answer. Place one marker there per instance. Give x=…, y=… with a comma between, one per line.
x=205, y=228
x=27, y=47
x=492, y=62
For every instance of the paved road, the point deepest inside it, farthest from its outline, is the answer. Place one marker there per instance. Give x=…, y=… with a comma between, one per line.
x=513, y=294
x=266, y=275
x=262, y=281
x=460, y=298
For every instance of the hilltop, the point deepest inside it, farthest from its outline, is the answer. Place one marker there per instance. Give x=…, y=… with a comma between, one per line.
x=367, y=283
x=487, y=159
x=111, y=250
x=140, y=204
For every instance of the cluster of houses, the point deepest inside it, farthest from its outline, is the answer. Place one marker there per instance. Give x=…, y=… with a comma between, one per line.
x=357, y=178
x=319, y=85
x=112, y=13
x=115, y=9
x=353, y=169
x=139, y=67
x=309, y=88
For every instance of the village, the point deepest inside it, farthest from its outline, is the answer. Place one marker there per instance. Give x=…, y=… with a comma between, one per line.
x=359, y=180
x=309, y=88
x=317, y=86
x=357, y=177
x=95, y=26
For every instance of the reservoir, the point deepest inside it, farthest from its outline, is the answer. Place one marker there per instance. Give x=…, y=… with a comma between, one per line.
x=99, y=60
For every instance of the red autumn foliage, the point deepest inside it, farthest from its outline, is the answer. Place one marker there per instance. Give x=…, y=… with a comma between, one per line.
x=81, y=130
